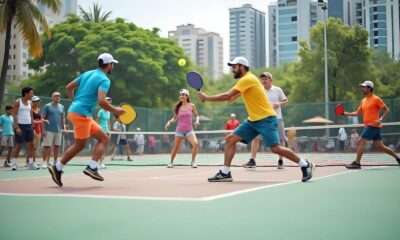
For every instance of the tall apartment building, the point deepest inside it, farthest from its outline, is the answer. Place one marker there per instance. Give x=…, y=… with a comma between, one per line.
x=205, y=49
x=379, y=17
x=247, y=35
x=19, y=54
x=289, y=22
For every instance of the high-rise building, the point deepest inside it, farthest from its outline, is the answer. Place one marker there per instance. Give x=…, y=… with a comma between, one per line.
x=247, y=35
x=379, y=17
x=19, y=54
x=205, y=49
x=289, y=22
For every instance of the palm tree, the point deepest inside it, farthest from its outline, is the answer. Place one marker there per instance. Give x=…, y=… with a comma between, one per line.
x=25, y=15
x=96, y=15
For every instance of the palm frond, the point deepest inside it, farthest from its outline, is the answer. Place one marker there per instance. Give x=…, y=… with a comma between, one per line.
x=6, y=12
x=53, y=5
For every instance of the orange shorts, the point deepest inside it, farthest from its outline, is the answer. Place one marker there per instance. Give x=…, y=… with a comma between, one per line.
x=84, y=126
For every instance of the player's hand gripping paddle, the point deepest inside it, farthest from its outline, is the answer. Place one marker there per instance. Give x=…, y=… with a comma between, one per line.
x=339, y=109
x=195, y=80
x=130, y=114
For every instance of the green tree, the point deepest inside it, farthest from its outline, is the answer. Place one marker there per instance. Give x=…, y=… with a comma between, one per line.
x=349, y=63
x=388, y=71
x=147, y=74
x=24, y=14
x=95, y=14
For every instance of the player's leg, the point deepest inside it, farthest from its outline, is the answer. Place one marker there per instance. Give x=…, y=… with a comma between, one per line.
x=255, y=145
x=195, y=146
x=367, y=134
x=281, y=134
x=178, y=140
x=380, y=146
x=56, y=145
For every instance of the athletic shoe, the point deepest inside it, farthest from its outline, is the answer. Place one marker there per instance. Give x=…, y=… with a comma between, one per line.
x=14, y=167
x=308, y=171
x=353, y=165
x=56, y=175
x=398, y=160
x=280, y=164
x=93, y=173
x=44, y=165
x=7, y=164
x=221, y=177
x=129, y=159
x=33, y=166
x=193, y=164
x=102, y=166
x=170, y=165
x=250, y=164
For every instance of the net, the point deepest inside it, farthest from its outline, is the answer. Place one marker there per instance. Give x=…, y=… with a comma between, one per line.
x=320, y=144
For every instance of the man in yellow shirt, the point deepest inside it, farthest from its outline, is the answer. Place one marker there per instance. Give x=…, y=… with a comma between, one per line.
x=262, y=120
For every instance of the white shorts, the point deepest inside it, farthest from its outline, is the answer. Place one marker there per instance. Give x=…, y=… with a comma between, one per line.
x=52, y=138
x=7, y=141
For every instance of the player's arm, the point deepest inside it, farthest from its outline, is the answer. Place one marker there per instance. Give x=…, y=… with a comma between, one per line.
x=15, y=113
x=352, y=114
x=194, y=111
x=234, y=97
x=385, y=112
x=219, y=97
x=70, y=88
x=64, y=123
x=106, y=105
x=172, y=120
x=284, y=102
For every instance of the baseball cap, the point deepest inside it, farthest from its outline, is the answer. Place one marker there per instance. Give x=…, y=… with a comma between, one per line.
x=108, y=98
x=184, y=91
x=239, y=60
x=367, y=84
x=266, y=74
x=107, y=58
x=233, y=115
x=35, y=98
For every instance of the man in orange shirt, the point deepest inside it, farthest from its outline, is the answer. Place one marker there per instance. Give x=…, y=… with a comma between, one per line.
x=232, y=123
x=370, y=107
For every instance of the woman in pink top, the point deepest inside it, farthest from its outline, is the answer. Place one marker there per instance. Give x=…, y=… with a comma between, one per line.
x=184, y=110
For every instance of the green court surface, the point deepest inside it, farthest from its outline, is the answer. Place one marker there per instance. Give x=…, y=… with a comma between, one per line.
x=354, y=205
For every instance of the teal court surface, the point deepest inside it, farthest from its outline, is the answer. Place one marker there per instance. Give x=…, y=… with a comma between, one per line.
x=152, y=202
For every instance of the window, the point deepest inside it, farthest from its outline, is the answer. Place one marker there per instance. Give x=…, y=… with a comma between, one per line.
x=14, y=67
x=294, y=39
x=375, y=41
x=375, y=17
x=375, y=33
x=15, y=46
x=24, y=55
x=14, y=56
x=294, y=18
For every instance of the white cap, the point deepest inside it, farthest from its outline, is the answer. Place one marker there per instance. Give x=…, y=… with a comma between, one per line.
x=233, y=115
x=184, y=91
x=367, y=84
x=266, y=74
x=239, y=60
x=35, y=98
x=107, y=58
x=108, y=98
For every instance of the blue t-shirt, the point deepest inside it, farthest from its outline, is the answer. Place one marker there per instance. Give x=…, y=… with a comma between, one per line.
x=89, y=83
x=7, y=125
x=104, y=117
x=54, y=114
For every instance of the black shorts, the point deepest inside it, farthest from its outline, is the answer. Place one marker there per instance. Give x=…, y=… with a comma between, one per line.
x=123, y=142
x=27, y=134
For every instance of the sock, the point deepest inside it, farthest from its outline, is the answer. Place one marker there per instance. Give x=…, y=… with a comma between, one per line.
x=303, y=163
x=225, y=170
x=93, y=164
x=30, y=160
x=14, y=161
x=59, y=166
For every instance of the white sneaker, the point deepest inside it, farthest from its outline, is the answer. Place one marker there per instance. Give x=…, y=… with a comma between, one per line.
x=33, y=166
x=44, y=165
x=14, y=167
x=193, y=164
x=102, y=166
x=170, y=165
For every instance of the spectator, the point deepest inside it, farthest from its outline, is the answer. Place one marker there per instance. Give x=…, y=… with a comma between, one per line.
x=353, y=140
x=7, y=134
x=139, y=139
x=122, y=141
x=151, y=142
x=53, y=130
x=232, y=123
x=342, y=135
x=38, y=126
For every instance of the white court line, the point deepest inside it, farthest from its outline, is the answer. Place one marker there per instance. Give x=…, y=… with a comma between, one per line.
x=202, y=199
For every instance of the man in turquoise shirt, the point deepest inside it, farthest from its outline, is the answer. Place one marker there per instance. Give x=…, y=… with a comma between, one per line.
x=90, y=88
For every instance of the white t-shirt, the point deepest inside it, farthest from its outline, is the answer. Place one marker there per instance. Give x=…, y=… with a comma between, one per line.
x=120, y=127
x=139, y=139
x=342, y=134
x=276, y=95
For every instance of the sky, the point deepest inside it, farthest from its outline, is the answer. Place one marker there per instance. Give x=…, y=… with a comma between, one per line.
x=211, y=15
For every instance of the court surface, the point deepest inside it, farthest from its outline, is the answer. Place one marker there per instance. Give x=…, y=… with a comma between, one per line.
x=153, y=202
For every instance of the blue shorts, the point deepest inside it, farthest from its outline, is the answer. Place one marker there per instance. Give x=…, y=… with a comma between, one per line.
x=372, y=133
x=267, y=128
x=184, y=134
